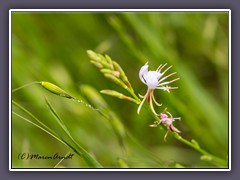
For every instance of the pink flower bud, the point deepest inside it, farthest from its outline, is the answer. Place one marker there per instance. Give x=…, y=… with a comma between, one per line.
x=162, y=115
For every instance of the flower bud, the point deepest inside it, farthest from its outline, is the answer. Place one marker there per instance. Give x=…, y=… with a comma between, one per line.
x=122, y=74
x=116, y=80
x=97, y=64
x=55, y=89
x=118, y=95
x=92, y=55
x=115, y=73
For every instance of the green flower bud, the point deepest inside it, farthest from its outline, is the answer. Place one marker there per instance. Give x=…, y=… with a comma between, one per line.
x=55, y=89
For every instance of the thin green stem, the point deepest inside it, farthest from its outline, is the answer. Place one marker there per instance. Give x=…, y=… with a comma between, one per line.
x=131, y=91
x=43, y=127
x=80, y=151
x=213, y=159
x=202, y=151
x=134, y=95
x=135, y=101
x=36, y=119
x=88, y=158
x=51, y=134
x=26, y=85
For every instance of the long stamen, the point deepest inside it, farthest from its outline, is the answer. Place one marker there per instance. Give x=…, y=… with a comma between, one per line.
x=162, y=87
x=151, y=106
x=162, y=67
x=167, y=69
x=167, y=88
x=141, y=96
x=165, y=136
x=165, y=77
x=172, y=87
x=144, y=98
x=159, y=67
x=165, y=110
x=170, y=114
x=168, y=82
x=155, y=100
x=174, y=80
x=177, y=118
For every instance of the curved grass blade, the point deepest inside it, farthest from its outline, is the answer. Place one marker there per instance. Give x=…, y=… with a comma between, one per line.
x=26, y=85
x=54, y=135
x=35, y=118
x=80, y=151
x=85, y=155
x=38, y=126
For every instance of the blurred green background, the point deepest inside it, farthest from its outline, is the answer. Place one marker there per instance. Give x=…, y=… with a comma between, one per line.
x=51, y=46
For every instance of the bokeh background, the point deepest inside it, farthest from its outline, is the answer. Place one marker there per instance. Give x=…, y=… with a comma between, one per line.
x=51, y=46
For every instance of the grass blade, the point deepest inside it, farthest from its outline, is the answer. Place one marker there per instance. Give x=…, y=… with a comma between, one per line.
x=51, y=134
x=85, y=155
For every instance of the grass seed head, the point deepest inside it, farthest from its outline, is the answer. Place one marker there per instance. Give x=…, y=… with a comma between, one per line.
x=55, y=89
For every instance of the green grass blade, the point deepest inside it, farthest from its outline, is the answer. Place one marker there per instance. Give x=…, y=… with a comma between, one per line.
x=45, y=130
x=92, y=162
x=49, y=131
x=26, y=85
x=34, y=117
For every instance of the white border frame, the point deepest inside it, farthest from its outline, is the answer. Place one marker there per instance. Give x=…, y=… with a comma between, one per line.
x=117, y=10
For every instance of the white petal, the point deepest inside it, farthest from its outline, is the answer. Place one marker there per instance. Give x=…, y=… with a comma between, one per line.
x=151, y=78
x=142, y=72
x=156, y=74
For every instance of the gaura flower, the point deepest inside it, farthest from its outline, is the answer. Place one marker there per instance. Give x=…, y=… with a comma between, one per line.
x=167, y=121
x=154, y=80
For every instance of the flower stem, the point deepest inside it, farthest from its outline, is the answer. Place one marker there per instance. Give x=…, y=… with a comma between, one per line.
x=130, y=90
x=211, y=158
x=29, y=84
x=214, y=159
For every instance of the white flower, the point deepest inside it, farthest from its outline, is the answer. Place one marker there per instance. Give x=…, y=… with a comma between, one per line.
x=154, y=80
x=150, y=78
